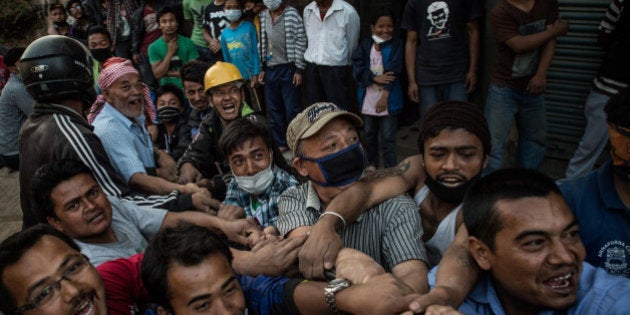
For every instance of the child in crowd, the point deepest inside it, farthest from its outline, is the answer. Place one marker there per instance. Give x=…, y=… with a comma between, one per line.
x=239, y=44
x=377, y=65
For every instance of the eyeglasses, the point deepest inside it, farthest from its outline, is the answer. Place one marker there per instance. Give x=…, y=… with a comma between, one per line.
x=51, y=292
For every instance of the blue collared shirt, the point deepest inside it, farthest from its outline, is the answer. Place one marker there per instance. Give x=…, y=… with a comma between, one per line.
x=604, y=219
x=15, y=106
x=598, y=293
x=127, y=141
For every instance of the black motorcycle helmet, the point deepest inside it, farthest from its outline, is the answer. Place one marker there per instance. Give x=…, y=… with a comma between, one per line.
x=56, y=67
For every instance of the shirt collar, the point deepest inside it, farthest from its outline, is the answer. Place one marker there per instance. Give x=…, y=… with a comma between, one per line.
x=312, y=199
x=112, y=111
x=606, y=186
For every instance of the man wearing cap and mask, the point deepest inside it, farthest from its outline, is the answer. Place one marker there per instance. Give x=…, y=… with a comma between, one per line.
x=57, y=72
x=327, y=151
x=454, y=143
x=601, y=200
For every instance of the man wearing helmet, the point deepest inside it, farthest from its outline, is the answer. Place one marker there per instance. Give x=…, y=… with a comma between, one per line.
x=223, y=85
x=57, y=72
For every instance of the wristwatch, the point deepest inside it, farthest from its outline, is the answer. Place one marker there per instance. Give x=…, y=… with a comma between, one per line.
x=331, y=288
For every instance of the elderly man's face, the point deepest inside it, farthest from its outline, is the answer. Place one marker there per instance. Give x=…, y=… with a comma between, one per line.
x=82, y=211
x=227, y=100
x=37, y=276
x=126, y=95
x=538, y=254
x=453, y=157
x=209, y=287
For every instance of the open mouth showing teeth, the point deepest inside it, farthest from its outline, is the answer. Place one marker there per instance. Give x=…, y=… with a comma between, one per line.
x=86, y=307
x=560, y=282
x=97, y=217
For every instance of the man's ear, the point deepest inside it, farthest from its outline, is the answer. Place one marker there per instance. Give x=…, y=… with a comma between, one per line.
x=298, y=165
x=54, y=222
x=481, y=252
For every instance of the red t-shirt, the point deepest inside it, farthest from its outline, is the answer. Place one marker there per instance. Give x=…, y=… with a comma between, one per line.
x=123, y=285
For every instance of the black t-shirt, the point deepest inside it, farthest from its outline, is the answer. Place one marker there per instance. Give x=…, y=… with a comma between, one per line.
x=442, y=52
x=214, y=20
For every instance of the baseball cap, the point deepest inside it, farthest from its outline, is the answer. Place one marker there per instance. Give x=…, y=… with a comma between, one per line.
x=307, y=123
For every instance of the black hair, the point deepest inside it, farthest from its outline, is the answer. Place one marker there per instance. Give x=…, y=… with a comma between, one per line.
x=241, y=130
x=14, y=247
x=164, y=11
x=187, y=245
x=55, y=6
x=241, y=3
x=194, y=71
x=49, y=176
x=69, y=4
x=379, y=12
x=481, y=216
x=100, y=29
x=13, y=55
x=618, y=109
x=173, y=89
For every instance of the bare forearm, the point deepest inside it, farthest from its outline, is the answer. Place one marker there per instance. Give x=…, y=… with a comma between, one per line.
x=457, y=272
x=198, y=218
x=521, y=44
x=473, y=46
x=145, y=183
x=545, y=58
x=410, y=56
x=160, y=68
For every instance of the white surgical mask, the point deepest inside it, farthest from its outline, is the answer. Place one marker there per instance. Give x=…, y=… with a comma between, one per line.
x=233, y=15
x=257, y=183
x=378, y=40
x=272, y=4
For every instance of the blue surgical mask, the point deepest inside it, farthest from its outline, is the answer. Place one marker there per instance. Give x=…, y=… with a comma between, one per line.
x=233, y=15
x=342, y=167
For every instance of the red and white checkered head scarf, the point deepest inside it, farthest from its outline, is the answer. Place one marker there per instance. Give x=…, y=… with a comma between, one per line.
x=113, y=69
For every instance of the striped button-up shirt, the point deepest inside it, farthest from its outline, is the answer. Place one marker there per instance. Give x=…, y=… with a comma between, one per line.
x=390, y=233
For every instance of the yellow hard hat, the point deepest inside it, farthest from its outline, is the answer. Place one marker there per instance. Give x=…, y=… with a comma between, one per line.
x=221, y=73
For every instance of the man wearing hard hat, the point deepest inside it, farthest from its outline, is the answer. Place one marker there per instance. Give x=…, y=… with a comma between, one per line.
x=224, y=87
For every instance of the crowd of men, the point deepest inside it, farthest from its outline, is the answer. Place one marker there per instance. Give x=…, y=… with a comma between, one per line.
x=171, y=167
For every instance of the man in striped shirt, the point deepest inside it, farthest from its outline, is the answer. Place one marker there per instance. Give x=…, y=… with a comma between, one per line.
x=327, y=151
x=613, y=76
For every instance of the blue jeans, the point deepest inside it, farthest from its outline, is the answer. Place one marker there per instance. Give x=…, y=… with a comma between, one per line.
x=595, y=136
x=503, y=105
x=284, y=100
x=431, y=95
x=327, y=84
x=385, y=127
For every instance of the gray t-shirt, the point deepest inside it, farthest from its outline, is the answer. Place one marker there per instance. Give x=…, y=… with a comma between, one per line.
x=390, y=233
x=133, y=226
x=276, y=40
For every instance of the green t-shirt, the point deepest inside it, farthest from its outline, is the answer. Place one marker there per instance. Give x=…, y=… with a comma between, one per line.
x=193, y=10
x=186, y=51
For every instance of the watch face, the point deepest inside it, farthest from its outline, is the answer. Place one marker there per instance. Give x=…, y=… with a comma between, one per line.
x=337, y=282
x=337, y=285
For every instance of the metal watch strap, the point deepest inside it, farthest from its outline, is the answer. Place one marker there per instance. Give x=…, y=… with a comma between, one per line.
x=331, y=288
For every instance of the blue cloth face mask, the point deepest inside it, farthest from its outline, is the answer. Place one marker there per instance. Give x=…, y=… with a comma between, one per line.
x=342, y=167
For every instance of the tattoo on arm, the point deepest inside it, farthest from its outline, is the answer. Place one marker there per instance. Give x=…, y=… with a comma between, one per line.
x=388, y=172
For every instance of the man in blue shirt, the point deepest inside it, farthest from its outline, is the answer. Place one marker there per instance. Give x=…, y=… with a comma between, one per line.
x=526, y=240
x=601, y=200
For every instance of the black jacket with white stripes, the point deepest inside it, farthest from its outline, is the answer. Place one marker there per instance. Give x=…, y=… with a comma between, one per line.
x=53, y=132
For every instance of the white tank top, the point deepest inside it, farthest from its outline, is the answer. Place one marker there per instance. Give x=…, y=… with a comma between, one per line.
x=445, y=232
